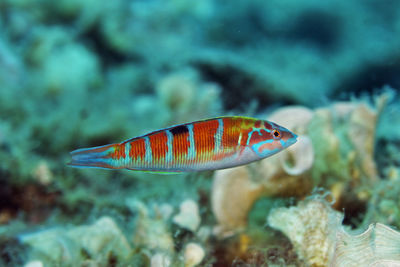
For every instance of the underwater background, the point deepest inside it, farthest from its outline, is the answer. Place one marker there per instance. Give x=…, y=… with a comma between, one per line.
x=82, y=73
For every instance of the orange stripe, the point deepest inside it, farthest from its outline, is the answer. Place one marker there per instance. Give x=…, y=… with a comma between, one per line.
x=138, y=149
x=245, y=135
x=180, y=145
x=231, y=133
x=158, y=143
x=204, y=133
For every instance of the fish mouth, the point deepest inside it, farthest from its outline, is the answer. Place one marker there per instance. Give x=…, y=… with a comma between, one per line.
x=292, y=140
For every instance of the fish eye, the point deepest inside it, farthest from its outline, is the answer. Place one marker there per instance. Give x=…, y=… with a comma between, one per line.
x=276, y=134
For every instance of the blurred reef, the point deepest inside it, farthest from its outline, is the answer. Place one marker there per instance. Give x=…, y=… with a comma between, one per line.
x=81, y=73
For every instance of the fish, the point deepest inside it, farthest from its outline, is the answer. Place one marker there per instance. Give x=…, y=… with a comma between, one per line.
x=210, y=144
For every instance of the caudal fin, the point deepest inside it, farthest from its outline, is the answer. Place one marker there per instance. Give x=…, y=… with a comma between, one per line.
x=93, y=157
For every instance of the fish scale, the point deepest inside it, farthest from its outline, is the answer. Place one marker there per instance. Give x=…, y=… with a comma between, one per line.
x=210, y=144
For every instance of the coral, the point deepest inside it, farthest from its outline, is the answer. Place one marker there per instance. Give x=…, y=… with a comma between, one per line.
x=384, y=204
x=103, y=235
x=151, y=232
x=100, y=241
x=188, y=216
x=319, y=238
x=34, y=264
x=232, y=197
x=43, y=174
x=64, y=61
x=390, y=117
x=377, y=246
x=311, y=226
x=274, y=177
x=160, y=260
x=334, y=150
x=193, y=254
x=185, y=97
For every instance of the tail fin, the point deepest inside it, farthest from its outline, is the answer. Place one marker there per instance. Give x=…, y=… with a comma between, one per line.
x=93, y=157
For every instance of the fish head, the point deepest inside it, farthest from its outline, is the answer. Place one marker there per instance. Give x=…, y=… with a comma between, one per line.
x=270, y=138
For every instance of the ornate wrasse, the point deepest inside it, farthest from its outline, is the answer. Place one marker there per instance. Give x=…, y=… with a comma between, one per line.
x=210, y=144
